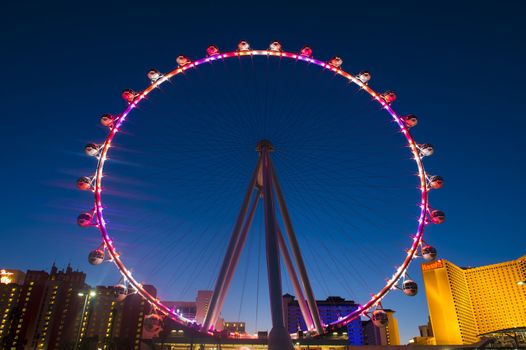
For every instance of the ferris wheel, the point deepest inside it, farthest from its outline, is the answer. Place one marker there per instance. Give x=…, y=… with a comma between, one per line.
x=264, y=189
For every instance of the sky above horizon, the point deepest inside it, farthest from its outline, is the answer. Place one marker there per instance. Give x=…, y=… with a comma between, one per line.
x=189, y=148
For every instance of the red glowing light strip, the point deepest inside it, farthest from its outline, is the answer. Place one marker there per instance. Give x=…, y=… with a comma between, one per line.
x=405, y=131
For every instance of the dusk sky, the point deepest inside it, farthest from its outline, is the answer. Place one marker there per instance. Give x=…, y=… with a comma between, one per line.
x=178, y=171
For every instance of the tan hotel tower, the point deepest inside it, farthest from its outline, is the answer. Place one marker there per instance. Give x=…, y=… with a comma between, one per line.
x=466, y=302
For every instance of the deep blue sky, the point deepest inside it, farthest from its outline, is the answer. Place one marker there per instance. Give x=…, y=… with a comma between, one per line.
x=459, y=66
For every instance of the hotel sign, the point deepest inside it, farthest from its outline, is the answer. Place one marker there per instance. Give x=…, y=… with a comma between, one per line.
x=433, y=265
x=6, y=277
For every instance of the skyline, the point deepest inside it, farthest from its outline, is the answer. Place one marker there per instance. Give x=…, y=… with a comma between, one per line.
x=444, y=81
x=480, y=281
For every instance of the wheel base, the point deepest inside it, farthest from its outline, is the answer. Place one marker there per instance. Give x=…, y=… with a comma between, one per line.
x=279, y=339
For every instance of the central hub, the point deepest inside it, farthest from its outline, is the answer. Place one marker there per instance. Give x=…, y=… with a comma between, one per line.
x=264, y=145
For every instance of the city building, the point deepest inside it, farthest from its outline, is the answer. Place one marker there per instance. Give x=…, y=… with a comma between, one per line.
x=57, y=310
x=426, y=335
x=11, y=282
x=330, y=310
x=27, y=311
x=388, y=335
x=426, y=330
x=9, y=312
x=111, y=324
x=98, y=318
x=41, y=312
x=58, y=319
x=465, y=303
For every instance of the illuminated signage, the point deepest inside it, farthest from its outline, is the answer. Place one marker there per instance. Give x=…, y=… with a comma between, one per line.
x=433, y=265
x=6, y=277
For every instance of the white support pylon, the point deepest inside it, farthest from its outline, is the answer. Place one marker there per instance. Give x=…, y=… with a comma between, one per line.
x=213, y=309
x=279, y=337
x=265, y=181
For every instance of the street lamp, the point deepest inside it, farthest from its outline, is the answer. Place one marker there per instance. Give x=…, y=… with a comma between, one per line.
x=86, y=296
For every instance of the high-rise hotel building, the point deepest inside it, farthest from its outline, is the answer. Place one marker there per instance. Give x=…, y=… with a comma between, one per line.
x=330, y=310
x=465, y=302
x=39, y=310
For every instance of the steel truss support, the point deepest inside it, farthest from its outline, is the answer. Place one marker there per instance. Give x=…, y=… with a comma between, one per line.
x=297, y=255
x=237, y=255
x=264, y=179
x=213, y=308
x=295, y=282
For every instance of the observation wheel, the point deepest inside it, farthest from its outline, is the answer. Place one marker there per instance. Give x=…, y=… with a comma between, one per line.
x=282, y=245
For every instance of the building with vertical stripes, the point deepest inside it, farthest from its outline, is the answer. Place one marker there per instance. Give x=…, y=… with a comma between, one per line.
x=465, y=302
